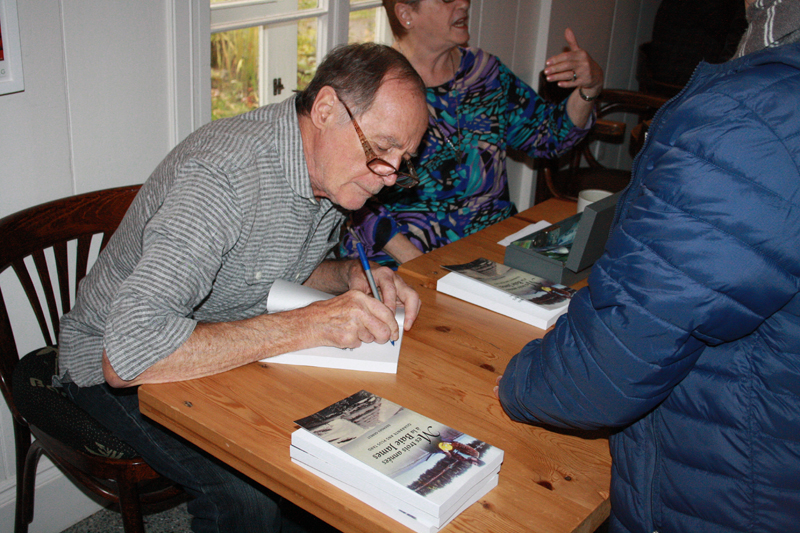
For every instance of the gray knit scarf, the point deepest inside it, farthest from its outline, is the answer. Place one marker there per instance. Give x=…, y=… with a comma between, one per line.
x=771, y=23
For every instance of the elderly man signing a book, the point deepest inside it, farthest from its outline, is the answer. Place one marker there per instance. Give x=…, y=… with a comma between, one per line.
x=180, y=291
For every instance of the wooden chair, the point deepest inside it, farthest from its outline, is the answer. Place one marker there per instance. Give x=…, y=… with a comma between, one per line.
x=72, y=439
x=578, y=169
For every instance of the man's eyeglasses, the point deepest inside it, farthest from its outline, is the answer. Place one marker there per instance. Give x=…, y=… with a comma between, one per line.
x=406, y=175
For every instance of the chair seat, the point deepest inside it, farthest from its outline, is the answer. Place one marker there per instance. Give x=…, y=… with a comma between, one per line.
x=48, y=408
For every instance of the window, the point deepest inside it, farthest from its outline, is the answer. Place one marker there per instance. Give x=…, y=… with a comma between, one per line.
x=262, y=50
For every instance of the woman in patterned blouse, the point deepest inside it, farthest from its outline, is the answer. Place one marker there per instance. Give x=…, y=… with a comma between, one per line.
x=478, y=109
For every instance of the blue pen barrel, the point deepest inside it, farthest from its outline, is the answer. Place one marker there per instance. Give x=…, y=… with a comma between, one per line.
x=363, y=256
x=368, y=272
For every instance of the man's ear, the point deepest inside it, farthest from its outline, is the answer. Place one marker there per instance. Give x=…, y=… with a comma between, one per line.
x=324, y=110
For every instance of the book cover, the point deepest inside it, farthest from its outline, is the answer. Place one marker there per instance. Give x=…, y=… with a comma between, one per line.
x=508, y=291
x=416, y=459
x=554, y=241
x=371, y=357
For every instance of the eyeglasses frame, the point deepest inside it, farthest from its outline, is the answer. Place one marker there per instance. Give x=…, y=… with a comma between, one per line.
x=405, y=180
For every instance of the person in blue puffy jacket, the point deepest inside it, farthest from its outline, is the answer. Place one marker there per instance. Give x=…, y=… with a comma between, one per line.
x=687, y=339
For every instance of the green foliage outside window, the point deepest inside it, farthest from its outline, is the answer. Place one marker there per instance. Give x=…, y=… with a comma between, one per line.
x=306, y=46
x=234, y=60
x=234, y=72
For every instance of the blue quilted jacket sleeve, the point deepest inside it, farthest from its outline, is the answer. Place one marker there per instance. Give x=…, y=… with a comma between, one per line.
x=704, y=250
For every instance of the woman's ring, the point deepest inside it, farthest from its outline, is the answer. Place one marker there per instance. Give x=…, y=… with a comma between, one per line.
x=574, y=76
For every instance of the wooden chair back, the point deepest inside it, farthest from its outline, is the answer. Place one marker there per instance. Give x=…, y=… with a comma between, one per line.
x=45, y=246
x=579, y=168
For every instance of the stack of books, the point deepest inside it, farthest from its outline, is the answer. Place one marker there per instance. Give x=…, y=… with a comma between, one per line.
x=508, y=291
x=419, y=472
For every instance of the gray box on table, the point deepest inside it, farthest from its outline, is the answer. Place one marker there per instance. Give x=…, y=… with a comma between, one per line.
x=565, y=251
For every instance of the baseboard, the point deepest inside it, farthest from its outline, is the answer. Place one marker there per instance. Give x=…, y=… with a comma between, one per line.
x=58, y=503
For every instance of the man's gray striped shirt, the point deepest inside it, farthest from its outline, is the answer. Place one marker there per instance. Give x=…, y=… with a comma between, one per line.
x=226, y=213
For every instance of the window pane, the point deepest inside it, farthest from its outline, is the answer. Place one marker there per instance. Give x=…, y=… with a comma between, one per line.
x=307, y=4
x=234, y=72
x=306, y=50
x=362, y=25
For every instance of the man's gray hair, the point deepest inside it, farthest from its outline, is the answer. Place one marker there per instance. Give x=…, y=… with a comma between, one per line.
x=356, y=72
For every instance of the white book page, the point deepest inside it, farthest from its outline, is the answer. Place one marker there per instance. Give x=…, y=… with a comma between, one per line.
x=411, y=522
x=372, y=357
x=494, y=299
x=356, y=478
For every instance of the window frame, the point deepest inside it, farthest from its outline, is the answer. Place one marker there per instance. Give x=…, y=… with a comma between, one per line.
x=189, y=55
x=276, y=26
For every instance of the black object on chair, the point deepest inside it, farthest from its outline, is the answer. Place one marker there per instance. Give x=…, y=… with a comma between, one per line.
x=69, y=436
x=685, y=33
x=578, y=169
x=649, y=82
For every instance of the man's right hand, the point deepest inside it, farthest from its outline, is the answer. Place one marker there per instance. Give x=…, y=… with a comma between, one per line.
x=348, y=320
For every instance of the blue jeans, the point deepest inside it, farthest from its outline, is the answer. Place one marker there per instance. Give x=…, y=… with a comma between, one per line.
x=223, y=500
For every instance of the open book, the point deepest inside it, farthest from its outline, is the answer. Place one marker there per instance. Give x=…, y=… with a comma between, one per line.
x=372, y=357
x=508, y=291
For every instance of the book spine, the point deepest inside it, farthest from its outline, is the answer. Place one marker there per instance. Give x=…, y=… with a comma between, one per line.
x=313, y=445
x=355, y=478
x=370, y=499
x=503, y=304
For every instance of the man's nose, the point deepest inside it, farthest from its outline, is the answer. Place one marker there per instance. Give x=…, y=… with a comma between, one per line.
x=389, y=180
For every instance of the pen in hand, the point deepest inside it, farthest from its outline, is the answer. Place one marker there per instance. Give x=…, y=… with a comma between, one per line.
x=367, y=270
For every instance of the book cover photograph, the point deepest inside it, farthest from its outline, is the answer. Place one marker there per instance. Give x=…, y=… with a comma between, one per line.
x=419, y=453
x=522, y=285
x=555, y=241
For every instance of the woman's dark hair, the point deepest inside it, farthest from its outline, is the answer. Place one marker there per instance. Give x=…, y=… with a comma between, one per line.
x=356, y=72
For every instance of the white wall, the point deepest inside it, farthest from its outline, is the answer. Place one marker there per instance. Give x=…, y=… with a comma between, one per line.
x=95, y=113
x=108, y=91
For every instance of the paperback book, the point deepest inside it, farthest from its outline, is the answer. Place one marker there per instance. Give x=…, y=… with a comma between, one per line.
x=508, y=291
x=412, y=464
x=372, y=357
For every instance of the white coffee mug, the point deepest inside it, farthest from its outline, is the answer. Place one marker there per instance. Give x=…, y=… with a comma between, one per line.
x=588, y=196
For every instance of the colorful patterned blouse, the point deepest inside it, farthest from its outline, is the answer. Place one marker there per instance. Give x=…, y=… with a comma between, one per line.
x=463, y=187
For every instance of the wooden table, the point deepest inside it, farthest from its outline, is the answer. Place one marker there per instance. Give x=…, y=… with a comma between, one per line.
x=550, y=481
